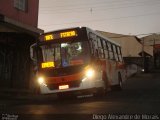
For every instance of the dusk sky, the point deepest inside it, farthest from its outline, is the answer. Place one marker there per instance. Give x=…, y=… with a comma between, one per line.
x=132, y=17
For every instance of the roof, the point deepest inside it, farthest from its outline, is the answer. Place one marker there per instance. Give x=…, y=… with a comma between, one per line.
x=8, y=22
x=145, y=54
x=117, y=36
x=153, y=39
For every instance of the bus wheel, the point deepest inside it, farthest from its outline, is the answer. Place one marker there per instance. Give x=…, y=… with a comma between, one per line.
x=118, y=87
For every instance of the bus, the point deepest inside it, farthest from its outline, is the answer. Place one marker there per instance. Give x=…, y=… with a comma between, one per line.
x=77, y=60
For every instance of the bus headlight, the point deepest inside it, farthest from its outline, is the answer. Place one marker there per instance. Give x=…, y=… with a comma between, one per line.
x=90, y=73
x=41, y=80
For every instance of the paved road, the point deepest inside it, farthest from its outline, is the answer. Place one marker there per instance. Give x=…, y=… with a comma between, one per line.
x=140, y=96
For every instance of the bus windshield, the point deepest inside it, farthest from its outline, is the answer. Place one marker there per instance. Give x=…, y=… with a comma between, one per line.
x=66, y=54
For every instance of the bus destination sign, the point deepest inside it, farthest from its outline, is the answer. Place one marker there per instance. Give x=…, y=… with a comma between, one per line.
x=66, y=34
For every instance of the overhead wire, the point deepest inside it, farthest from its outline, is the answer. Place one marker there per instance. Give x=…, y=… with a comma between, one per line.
x=104, y=19
x=71, y=9
x=84, y=3
x=95, y=8
x=101, y=9
x=81, y=6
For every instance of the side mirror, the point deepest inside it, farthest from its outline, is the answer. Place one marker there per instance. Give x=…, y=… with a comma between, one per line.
x=33, y=52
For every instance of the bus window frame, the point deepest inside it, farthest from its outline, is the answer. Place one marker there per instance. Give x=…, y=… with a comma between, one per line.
x=91, y=46
x=100, y=47
x=105, y=49
x=119, y=54
x=117, y=47
x=92, y=38
x=110, y=50
x=115, y=52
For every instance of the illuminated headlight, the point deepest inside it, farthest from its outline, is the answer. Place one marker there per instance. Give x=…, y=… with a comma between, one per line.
x=90, y=73
x=41, y=80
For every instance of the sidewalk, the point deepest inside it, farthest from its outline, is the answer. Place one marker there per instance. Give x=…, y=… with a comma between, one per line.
x=13, y=93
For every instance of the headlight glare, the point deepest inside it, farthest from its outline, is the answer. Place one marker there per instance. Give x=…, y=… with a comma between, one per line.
x=41, y=80
x=90, y=73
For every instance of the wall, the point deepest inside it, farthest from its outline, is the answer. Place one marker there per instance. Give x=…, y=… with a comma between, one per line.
x=15, y=62
x=30, y=17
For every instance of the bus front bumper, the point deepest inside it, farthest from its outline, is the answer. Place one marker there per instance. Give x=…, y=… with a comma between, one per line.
x=84, y=86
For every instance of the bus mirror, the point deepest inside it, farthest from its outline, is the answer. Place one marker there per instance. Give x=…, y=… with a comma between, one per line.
x=33, y=52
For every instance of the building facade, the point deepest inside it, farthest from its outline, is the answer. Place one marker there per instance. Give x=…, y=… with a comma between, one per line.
x=24, y=11
x=154, y=41
x=18, y=30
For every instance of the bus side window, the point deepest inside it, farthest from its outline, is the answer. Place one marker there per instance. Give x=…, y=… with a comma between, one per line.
x=111, y=56
x=95, y=48
x=100, y=48
x=115, y=52
x=91, y=46
x=94, y=42
x=119, y=54
x=105, y=49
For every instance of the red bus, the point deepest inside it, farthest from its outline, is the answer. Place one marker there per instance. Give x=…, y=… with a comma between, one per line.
x=76, y=60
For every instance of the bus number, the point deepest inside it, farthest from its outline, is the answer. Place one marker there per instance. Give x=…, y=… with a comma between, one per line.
x=48, y=37
x=67, y=34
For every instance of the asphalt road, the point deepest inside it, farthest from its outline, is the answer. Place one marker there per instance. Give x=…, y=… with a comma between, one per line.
x=140, y=98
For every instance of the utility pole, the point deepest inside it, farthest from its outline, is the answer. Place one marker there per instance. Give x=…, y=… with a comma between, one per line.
x=91, y=10
x=143, y=56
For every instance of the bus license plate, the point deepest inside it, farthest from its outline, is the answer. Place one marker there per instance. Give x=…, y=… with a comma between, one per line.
x=61, y=87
